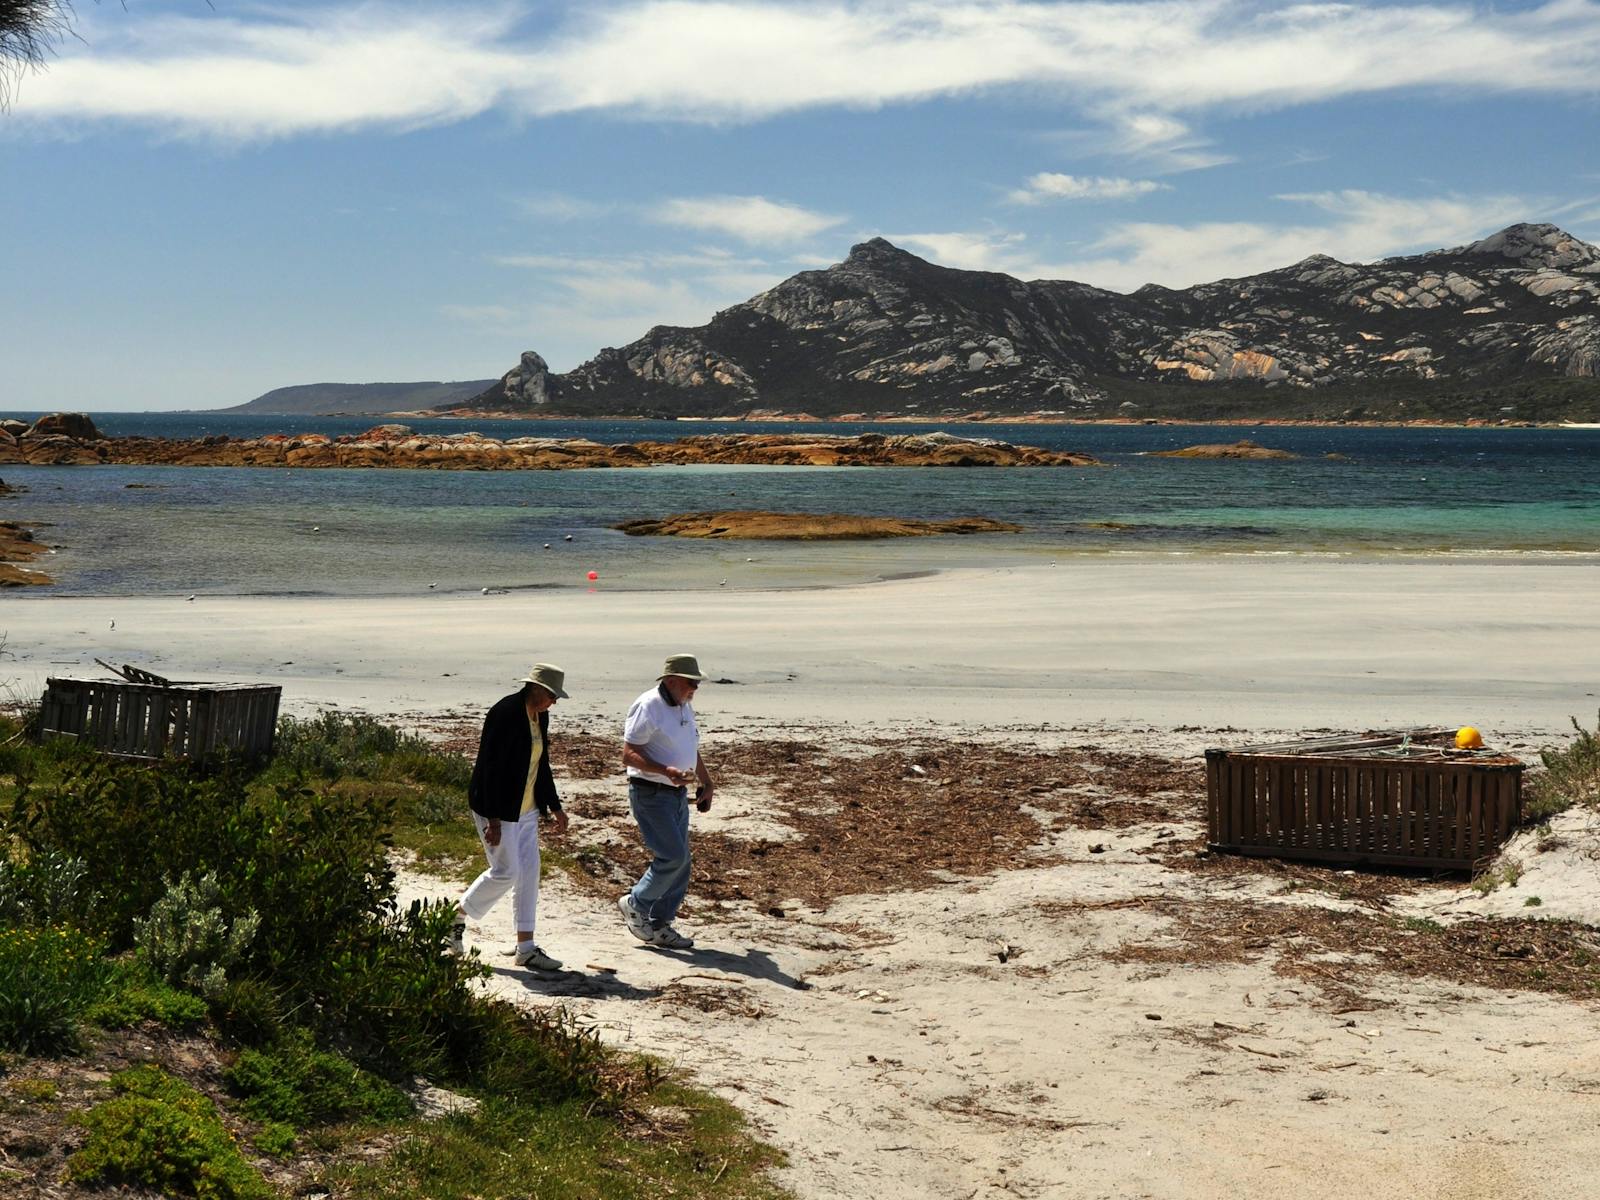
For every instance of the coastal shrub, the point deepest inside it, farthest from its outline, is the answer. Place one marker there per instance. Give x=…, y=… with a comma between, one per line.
x=133, y=993
x=159, y=1133
x=187, y=940
x=49, y=976
x=334, y=745
x=250, y=1011
x=133, y=827
x=46, y=889
x=1571, y=776
x=544, y=1056
x=316, y=867
x=295, y=1084
x=397, y=999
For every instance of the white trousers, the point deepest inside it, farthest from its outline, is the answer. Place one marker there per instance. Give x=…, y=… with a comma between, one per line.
x=513, y=867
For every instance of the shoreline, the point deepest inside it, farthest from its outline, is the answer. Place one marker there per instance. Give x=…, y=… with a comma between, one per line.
x=855, y=419
x=1087, y=1009
x=1245, y=643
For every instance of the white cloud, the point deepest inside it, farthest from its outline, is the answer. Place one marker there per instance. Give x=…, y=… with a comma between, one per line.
x=1004, y=252
x=495, y=315
x=752, y=219
x=1358, y=226
x=554, y=206
x=1141, y=66
x=588, y=302
x=1051, y=185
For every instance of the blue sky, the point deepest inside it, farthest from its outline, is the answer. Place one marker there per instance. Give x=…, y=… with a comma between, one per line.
x=204, y=203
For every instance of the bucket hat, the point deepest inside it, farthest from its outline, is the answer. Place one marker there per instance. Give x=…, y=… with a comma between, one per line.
x=549, y=678
x=684, y=666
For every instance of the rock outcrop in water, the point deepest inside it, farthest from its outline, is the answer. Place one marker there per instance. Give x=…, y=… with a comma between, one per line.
x=17, y=545
x=1241, y=449
x=887, y=333
x=399, y=447
x=804, y=527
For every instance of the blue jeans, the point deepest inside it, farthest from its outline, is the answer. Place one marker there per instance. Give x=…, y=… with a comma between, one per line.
x=663, y=816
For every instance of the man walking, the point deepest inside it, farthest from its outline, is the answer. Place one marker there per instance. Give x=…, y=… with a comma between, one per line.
x=661, y=750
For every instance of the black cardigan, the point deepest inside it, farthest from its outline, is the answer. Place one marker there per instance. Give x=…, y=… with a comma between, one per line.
x=501, y=773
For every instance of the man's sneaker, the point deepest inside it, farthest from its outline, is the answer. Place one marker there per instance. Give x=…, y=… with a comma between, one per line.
x=456, y=943
x=534, y=959
x=637, y=925
x=668, y=938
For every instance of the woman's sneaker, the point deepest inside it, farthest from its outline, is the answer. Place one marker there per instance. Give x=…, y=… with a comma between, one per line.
x=535, y=959
x=637, y=925
x=668, y=938
x=456, y=943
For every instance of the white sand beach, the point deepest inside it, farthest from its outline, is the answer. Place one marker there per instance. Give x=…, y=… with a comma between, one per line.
x=988, y=1036
x=1141, y=643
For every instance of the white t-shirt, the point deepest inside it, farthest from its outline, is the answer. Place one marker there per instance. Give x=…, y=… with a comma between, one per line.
x=666, y=733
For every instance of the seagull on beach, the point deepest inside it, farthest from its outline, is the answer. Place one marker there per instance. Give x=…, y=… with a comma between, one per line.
x=113, y=625
x=188, y=598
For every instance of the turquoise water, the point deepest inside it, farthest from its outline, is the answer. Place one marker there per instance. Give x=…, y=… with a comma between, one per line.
x=182, y=530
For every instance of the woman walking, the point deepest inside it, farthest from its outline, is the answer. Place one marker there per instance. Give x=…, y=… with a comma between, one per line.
x=511, y=792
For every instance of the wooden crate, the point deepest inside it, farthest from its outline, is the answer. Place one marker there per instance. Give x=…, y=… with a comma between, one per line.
x=1402, y=798
x=167, y=720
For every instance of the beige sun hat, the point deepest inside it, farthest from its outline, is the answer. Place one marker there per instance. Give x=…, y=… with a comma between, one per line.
x=549, y=678
x=684, y=666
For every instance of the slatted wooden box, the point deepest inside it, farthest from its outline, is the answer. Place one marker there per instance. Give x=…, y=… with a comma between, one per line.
x=161, y=720
x=1402, y=798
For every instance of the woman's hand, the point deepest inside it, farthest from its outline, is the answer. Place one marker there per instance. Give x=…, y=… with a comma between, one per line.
x=491, y=832
x=557, y=820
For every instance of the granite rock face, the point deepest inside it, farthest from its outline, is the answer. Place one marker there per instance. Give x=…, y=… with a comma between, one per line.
x=396, y=446
x=885, y=332
x=77, y=426
x=1241, y=449
x=804, y=527
x=17, y=545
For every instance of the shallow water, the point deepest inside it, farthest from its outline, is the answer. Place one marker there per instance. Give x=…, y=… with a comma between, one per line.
x=162, y=530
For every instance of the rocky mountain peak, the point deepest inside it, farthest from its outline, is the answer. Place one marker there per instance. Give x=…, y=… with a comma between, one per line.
x=1540, y=245
x=888, y=332
x=879, y=252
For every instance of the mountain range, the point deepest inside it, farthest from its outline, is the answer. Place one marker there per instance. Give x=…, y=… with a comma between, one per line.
x=1506, y=328
x=360, y=399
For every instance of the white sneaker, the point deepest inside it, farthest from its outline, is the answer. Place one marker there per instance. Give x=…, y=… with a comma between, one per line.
x=668, y=938
x=637, y=925
x=534, y=959
x=456, y=943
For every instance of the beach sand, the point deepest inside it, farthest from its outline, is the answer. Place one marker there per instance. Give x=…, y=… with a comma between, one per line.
x=1047, y=1029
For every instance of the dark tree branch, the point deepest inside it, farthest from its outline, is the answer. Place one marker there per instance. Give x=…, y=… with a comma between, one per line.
x=29, y=33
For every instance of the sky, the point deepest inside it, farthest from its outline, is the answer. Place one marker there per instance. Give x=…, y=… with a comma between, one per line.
x=204, y=202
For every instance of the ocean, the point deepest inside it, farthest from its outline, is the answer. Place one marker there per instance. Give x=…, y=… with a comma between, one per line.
x=168, y=530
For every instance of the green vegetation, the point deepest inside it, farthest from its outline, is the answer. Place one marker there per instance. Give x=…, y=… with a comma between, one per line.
x=1507, y=872
x=48, y=977
x=1571, y=776
x=250, y=909
x=160, y=1133
x=1523, y=398
x=293, y=1083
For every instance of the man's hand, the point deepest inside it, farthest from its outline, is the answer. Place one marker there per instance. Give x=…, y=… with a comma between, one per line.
x=680, y=777
x=702, y=797
x=557, y=820
x=491, y=833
